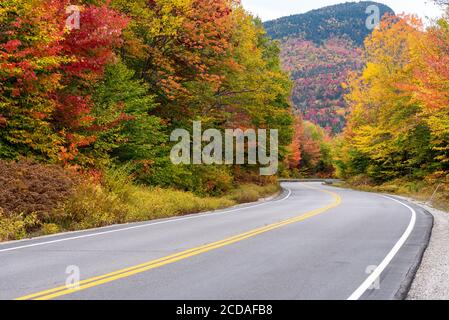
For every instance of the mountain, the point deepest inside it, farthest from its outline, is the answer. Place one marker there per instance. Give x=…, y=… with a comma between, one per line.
x=341, y=20
x=319, y=49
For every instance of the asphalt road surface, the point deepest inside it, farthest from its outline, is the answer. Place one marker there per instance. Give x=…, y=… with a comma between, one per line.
x=312, y=242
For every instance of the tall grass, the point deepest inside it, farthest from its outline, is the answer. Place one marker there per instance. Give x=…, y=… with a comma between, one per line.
x=421, y=190
x=251, y=192
x=117, y=199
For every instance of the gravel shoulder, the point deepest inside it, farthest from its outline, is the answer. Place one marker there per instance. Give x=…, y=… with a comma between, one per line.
x=432, y=279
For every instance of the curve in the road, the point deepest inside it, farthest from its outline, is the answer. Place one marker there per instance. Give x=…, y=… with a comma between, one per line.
x=378, y=271
x=130, y=271
x=324, y=257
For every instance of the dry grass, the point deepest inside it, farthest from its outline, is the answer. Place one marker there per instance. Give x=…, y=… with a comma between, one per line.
x=43, y=199
x=421, y=190
x=252, y=192
x=93, y=206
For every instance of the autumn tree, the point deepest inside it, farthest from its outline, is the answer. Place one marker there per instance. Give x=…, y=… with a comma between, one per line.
x=431, y=87
x=295, y=147
x=30, y=62
x=205, y=60
x=398, y=125
x=48, y=73
x=91, y=49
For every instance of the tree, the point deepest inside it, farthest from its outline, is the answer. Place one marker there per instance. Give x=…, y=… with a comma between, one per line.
x=206, y=60
x=30, y=61
x=432, y=86
x=399, y=114
x=137, y=136
x=47, y=75
x=114, y=89
x=295, y=146
x=91, y=49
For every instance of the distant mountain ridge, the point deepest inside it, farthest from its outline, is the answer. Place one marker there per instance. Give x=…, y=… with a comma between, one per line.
x=341, y=20
x=320, y=49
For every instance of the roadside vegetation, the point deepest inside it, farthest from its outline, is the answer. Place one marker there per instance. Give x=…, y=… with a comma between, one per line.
x=44, y=199
x=430, y=191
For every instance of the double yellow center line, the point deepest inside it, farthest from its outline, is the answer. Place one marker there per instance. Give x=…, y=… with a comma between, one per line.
x=127, y=272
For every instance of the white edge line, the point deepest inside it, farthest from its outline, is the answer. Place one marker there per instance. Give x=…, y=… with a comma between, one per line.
x=195, y=216
x=378, y=271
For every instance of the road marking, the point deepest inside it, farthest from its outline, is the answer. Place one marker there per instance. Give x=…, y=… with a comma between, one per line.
x=378, y=271
x=196, y=216
x=127, y=272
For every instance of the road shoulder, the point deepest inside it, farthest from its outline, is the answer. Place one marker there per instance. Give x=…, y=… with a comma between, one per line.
x=431, y=281
x=397, y=278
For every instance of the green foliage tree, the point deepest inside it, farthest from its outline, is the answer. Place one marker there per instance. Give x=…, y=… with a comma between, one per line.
x=138, y=136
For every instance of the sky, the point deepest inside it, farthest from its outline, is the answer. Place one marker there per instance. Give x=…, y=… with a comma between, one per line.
x=271, y=9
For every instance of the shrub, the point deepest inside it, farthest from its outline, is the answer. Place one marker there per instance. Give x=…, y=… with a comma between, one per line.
x=118, y=199
x=251, y=192
x=15, y=226
x=91, y=206
x=202, y=180
x=50, y=228
x=27, y=187
x=360, y=180
x=153, y=203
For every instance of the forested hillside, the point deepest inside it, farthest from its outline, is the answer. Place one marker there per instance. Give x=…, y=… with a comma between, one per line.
x=319, y=49
x=347, y=20
x=319, y=72
x=134, y=71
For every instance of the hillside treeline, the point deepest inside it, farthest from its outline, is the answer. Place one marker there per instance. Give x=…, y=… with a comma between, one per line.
x=399, y=123
x=112, y=90
x=344, y=20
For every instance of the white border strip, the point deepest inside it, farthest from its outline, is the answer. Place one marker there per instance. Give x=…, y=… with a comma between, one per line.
x=195, y=216
x=378, y=271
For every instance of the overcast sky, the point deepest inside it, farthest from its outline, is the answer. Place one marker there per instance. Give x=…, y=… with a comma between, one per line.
x=271, y=9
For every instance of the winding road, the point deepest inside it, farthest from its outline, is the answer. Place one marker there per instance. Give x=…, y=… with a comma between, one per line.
x=312, y=242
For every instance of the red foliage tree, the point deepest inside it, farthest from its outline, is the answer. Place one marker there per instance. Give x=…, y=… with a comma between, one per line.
x=295, y=146
x=90, y=48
